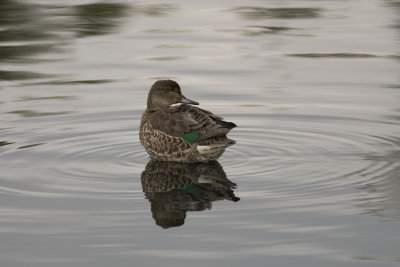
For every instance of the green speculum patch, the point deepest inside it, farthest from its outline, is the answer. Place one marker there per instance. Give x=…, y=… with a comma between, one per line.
x=190, y=137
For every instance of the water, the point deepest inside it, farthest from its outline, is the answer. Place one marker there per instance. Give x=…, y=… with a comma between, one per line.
x=312, y=85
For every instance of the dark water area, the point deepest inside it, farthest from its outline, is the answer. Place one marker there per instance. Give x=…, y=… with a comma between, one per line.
x=313, y=180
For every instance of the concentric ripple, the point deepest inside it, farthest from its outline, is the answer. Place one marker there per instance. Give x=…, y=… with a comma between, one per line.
x=322, y=157
x=311, y=155
x=82, y=161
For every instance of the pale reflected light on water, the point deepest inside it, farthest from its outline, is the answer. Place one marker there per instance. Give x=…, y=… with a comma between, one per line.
x=312, y=85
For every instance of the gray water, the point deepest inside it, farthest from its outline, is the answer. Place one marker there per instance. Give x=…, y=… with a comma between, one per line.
x=312, y=85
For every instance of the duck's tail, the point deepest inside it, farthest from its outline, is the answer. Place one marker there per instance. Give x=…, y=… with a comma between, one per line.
x=219, y=141
x=212, y=149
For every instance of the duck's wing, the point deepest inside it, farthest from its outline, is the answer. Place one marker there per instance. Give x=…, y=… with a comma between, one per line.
x=208, y=125
x=189, y=122
x=171, y=121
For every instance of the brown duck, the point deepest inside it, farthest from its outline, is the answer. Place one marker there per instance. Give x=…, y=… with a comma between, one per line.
x=181, y=133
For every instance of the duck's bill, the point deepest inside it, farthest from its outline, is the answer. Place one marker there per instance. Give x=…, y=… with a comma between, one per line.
x=185, y=100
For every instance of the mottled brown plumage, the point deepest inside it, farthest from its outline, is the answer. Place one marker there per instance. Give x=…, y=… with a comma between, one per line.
x=165, y=129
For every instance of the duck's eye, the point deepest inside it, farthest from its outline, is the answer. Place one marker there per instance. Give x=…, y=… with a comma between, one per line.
x=171, y=90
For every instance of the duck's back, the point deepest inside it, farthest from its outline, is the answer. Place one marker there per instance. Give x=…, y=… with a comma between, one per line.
x=184, y=133
x=208, y=125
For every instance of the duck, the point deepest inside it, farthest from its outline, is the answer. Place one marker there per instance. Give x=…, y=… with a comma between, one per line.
x=172, y=129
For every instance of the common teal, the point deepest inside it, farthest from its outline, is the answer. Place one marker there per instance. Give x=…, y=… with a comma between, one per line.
x=181, y=133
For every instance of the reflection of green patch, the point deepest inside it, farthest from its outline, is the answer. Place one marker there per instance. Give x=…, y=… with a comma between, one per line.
x=32, y=145
x=192, y=189
x=190, y=137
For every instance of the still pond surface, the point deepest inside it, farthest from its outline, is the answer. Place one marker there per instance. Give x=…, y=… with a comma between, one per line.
x=312, y=85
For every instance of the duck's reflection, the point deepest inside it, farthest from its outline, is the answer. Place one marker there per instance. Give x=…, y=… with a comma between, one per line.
x=175, y=188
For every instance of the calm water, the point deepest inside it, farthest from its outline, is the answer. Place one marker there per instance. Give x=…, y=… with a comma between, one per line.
x=314, y=87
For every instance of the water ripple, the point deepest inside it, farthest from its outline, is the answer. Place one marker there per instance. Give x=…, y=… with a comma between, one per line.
x=293, y=156
x=313, y=163
x=82, y=161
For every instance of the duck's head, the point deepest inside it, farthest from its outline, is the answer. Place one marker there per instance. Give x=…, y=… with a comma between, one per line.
x=165, y=93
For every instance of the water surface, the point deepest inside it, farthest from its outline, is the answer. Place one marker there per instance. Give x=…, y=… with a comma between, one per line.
x=312, y=85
